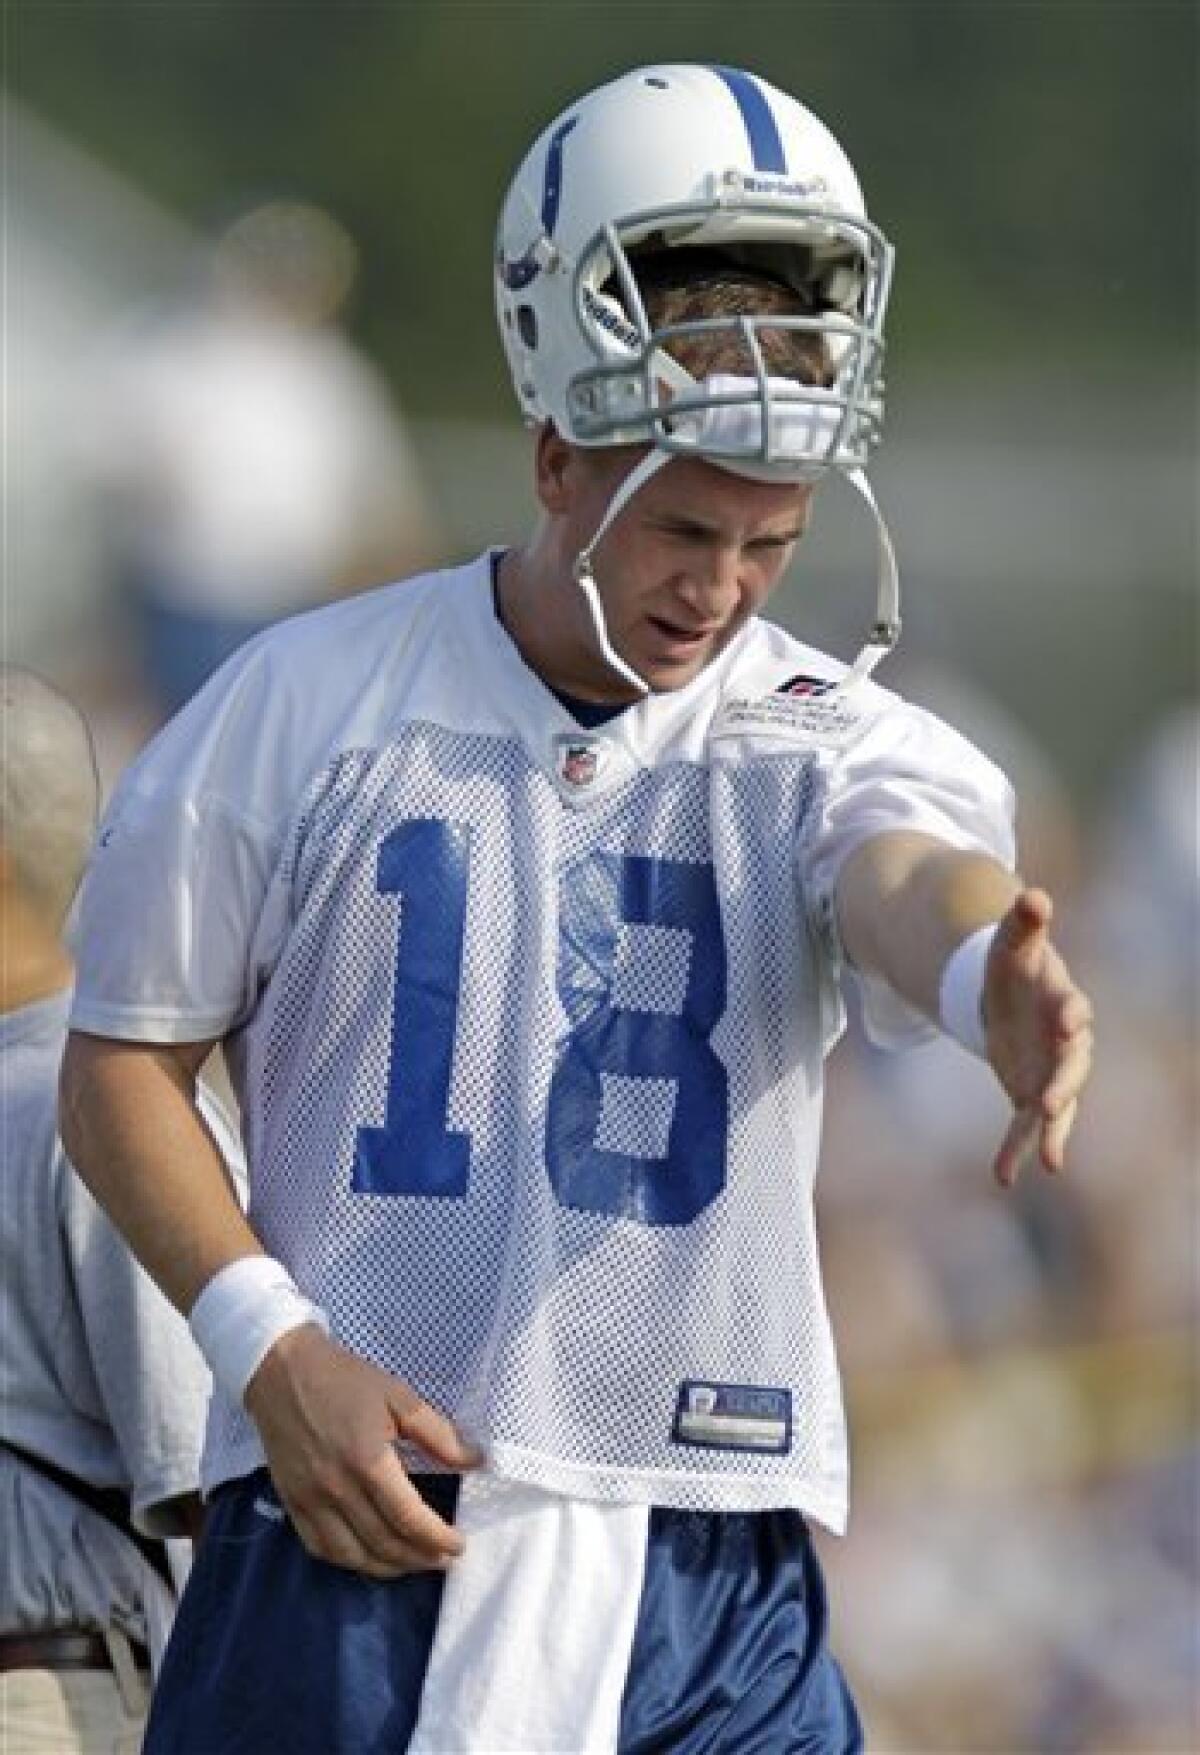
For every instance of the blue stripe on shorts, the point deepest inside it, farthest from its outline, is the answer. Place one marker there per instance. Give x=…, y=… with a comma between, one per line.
x=275, y=1653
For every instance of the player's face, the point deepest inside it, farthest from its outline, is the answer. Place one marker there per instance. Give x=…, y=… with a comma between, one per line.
x=693, y=555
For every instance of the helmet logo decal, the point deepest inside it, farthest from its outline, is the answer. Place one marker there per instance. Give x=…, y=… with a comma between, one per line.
x=519, y=273
x=766, y=147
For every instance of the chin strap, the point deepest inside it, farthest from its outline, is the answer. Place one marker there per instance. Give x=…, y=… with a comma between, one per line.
x=885, y=629
x=650, y=464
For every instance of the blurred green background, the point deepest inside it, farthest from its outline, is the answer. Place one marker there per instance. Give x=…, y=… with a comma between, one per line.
x=1022, y=1571
x=1034, y=163
x=1032, y=159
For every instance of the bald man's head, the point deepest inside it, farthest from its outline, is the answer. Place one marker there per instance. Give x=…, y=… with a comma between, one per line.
x=49, y=791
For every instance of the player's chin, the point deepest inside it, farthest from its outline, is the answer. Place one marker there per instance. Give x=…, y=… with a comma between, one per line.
x=667, y=671
x=666, y=679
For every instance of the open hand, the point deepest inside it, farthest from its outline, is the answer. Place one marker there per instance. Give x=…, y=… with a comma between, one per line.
x=1039, y=1036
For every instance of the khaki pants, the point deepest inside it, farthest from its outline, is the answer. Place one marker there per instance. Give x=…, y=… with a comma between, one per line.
x=74, y=1712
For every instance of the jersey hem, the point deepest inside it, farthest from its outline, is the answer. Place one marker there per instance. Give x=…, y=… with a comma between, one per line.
x=669, y=1487
x=654, y=1487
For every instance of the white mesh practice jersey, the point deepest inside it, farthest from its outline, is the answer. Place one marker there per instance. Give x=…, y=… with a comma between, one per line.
x=528, y=1020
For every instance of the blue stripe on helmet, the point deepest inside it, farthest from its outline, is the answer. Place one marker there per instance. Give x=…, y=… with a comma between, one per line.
x=552, y=187
x=519, y=274
x=766, y=147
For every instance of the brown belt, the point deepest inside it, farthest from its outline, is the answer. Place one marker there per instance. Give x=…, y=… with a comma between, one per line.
x=60, y=1651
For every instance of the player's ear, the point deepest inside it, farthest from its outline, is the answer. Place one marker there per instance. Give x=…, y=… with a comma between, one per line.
x=555, y=469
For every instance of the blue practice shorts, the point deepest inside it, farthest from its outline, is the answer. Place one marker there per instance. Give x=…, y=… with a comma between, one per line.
x=275, y=1653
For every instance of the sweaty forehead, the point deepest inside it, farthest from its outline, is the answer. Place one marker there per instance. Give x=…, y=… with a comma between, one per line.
x=702, y=492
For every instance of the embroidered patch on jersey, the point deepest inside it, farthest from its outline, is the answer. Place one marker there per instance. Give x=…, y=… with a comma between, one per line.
x=804, y=710
x=580, y=761
x=733, y=1416
x=585, y=766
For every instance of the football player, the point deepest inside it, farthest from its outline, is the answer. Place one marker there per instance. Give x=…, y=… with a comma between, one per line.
x=520, y=896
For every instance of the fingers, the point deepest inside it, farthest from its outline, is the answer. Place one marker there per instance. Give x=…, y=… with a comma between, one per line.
x=398, y=1530
x=1039, y=1037
x=1034, y=909
x=1024, y=930
x=399, y=1534
x=1029, y=1137
x=1017, y=1145
x=1060, y=1101
x=1075, y=1013
x=1044, y=1127
x=330, y=1536
x=371, y=1519
x=1054, y=1136
x=408, y=1520
x=431, y=1432
x=1069, y=1074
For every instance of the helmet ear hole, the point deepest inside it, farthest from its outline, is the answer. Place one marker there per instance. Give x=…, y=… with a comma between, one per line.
x=527, y=325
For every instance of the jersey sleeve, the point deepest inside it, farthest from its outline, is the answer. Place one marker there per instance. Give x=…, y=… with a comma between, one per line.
x=181, y=912
x=908, y=770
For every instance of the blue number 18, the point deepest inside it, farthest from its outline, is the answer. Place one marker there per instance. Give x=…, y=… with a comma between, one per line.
x=633, y=1041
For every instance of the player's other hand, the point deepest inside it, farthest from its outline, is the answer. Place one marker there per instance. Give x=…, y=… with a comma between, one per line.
x=1039, y=1036
x=329, y=1423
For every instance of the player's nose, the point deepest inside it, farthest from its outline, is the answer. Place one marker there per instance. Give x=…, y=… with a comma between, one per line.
x=712, y=586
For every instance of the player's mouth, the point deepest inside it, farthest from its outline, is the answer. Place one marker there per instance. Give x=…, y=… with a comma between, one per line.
x=676, y=643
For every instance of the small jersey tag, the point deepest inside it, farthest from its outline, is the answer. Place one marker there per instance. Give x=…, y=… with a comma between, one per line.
x=733, y=1416
x=824, y=719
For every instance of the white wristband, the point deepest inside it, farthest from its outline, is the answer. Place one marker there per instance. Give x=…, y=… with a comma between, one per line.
x=960, y=993
x=240, y=1315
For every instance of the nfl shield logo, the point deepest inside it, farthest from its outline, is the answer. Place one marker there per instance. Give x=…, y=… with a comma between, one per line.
x=579, y=763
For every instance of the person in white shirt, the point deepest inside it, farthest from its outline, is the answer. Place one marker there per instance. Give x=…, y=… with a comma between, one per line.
x=249, y=462
x=520, y=895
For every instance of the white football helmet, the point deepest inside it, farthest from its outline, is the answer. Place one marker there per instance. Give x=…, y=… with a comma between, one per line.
x=668, y=157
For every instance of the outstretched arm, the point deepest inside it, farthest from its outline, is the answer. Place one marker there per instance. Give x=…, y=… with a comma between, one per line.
x=906, y=902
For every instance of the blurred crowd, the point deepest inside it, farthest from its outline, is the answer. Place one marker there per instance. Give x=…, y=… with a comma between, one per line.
x=1021, y=1571
x=241, y=460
